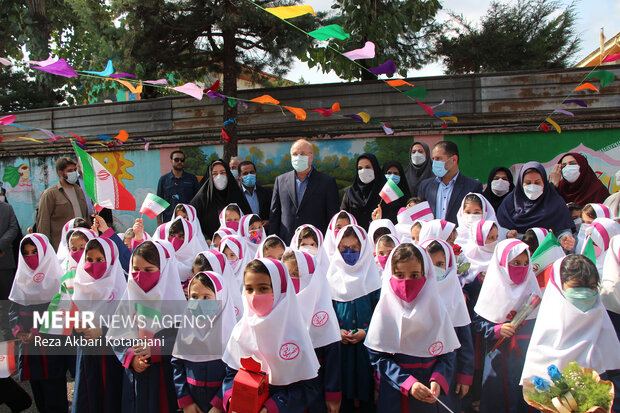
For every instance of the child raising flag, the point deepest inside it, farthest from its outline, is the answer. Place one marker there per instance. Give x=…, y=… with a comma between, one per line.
x=390, y=192
x=153, y=206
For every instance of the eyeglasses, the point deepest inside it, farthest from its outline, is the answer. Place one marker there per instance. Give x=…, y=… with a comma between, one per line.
x=179, y=159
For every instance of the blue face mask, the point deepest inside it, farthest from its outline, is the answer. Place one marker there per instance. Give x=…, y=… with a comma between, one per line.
x=439, y=168
x=582, y=298
x=393, y=177
x=350, y=257
x=249, y=180
x=235, y=173
x=202, y=307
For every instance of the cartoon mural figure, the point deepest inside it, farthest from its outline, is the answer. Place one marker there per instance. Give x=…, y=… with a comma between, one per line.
x=116, y=163
x=22, y=189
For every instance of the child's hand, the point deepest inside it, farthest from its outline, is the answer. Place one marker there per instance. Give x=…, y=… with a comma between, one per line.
x=377, y=213
x=357, y=337
x=139, y=363
x=567, y=241
x=92, y=333
x=461, y=390
x=344, y=337
x=264, y=410
x=192, y=408
x=143, y=351
x=25, y=338
x=512, y=233
x=507, y=330
x=215, y=410
x=435, y=391
x=99, y=224
x=333, y=406
x=420, y=391
x=138, y=229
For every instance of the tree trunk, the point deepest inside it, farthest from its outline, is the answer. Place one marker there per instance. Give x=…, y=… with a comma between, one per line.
x=230, y=89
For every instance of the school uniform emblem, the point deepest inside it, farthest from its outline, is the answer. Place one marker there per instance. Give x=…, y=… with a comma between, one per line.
x=436, y=348
x=320, y=319
x=38, y=277
x=289, y=351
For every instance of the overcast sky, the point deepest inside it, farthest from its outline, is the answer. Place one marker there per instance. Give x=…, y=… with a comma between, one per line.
x=591, y=16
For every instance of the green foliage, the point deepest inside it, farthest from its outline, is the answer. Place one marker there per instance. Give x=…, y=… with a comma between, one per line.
x=390, y=149
x=195, y=160
x=527, y=35
x=400, y=30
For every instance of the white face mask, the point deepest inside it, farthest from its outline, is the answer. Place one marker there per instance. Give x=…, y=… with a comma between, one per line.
x=2, y=198
x=309, y=249
x=533, y=191
x=571, y=173
x=366, y=175
x=490, y=247
x=440, y=273
x=220, y=181
x=418, y=158
x=72, y=177
x=299, y=162
x=500, y=187
x=470, y=219
x=577, y=222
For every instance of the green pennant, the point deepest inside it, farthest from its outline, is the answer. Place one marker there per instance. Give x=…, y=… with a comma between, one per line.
x=604, y=76
x=232, y=102
x=416, y=92
x=327, y=32
x=589, y=252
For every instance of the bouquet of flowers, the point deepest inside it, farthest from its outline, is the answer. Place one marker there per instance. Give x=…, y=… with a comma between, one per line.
x=576, y=389
x=462, y=265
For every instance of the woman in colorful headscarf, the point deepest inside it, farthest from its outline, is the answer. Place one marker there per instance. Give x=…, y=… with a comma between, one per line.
x=576, y=181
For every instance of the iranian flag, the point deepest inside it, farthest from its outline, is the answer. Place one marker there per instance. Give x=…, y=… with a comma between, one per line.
x=543, y=258
x=149, y=324
x=153, y=206
x=101, y=186
x=390, y=192
x=589, y=251
x=63, y=304
x=8, y=357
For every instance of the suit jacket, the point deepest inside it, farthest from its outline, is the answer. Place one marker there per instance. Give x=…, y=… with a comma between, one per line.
x=319, y=204
x=463, y=185
x=9, y=229
x=264, y=200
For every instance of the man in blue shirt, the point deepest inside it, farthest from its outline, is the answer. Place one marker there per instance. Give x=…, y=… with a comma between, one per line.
x=258, y=196
x=176, y=187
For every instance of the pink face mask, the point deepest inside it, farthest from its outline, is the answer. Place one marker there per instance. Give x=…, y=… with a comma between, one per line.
x=146, y=280
x=32, y=261
x=261, y=304
x=407, y=290
x=517, y=274
x=233, y=225
x=382, y=260
x=597, y=251
x=95, y=269
x=76, y=255
x=295, y=284
x=176, y=242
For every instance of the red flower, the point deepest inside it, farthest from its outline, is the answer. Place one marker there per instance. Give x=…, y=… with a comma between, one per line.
x=457, y=249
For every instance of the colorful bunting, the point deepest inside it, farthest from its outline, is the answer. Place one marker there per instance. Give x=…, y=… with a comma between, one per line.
x=604, y=76
x=60, y=68
x=545, y=127
x=366, y=52
x=554, y=124
x=5, y=62
x=122, y=135
x=190, y=89
x=79, y=138
x=266, y=99
x=104, y=137
x=299, y=113
x=439, y=104
x=327, y=32
x=215, y=87
x=576, y=102
x=440, y=114
x=7, y=120
x=225, y=136
x=450, y=118
x=356, y=117
x=229, y=121
x=416, y=92
x=157, y=82
x=586, y=85
x=398, y=82
x=232, y=102
x=387, y=129
x=426, y=108
x=30, y=139
x=328, y=112
x=213, y=94
x=611, y=58
x=135, y=90
x=565, y=112
x=387, y=68
x=43, y=63
x=109, y=69
x=288, y=12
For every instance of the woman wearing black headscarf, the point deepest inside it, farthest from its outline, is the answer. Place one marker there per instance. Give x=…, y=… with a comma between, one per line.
x=394, y=170
x=218, y=189
x=499, y=185
x=420, y=166
x=361, y=198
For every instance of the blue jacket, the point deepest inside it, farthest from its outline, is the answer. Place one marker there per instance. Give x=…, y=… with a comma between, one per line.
x=462, y=186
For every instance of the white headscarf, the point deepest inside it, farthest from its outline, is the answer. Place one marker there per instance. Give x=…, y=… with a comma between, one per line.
x=321, y=258
x=499, y=296
x=244, y=232
x=477, y=252
x=219, y=265
x=407, y=217
x=330, y=245
x=563, y=333
x=206, y=344
x=540, y=233
x=223, y=214
x=421, y=328
x=238, y=246
x=62, y=251
x=315, y=302
x=396, y=242
x=379, y=223
x=449, y=288
x=222, y=232
x=610, y=277
x=350, y=282
x=260, y=253
x=192, y=217
x=464, y=230
x=88, y=233
x=436, y=229
x=38, y=286
x=279, y=340
x=187, y=251
x=601, y=231
x=601, y=211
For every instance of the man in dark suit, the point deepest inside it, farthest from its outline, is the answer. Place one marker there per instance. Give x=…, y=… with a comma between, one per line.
x=302, y=196
x=258, y=196
x=446, y=190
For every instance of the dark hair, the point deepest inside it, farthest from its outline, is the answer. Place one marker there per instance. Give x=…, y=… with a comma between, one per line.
x=350, y=232
x=148, y=251
x=94, y=246
x=202, y=263
x=386, y=240
x=406, y=252
x=204, y=280
x=379, y=233
x=572, y=206
x=416, y=224
x=273, y=242
x=415, y=200
x=589, y=211
x=256, y=266
x=180, y=207
x=26, y=241
x=450, y=148
x=343, y=215
x=129, y=234
x=255, y=218
x=232, y=208
x=531, y=240
x=77, y=235
x=472, y=199
x=176, y=151
x=435, y=247
x=579, y=268
x=289, y=256
x=176, y=228
x=532, y=170
x=307, y=233
x=80, y=223
x=63, y=162
x=245, y=163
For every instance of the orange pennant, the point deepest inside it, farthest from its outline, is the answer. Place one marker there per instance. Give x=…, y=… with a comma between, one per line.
x=299, y=113
x=266, y=99
x=336, y=107
x=586, y=85
x=398, y=82
x=136, y=90
x=122, y=135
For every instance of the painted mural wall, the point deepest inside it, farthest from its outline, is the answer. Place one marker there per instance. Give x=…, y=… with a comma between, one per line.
x=26, y=178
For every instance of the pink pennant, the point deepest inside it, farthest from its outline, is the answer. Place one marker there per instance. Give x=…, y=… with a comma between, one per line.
x=7, y=120
x=43, y=63
x=5, y=62
x=60, y=68
x=426, y=108
x=611, y=58
x=366, y=52
x=439, y=104
x=190, y=89
x=157, y=82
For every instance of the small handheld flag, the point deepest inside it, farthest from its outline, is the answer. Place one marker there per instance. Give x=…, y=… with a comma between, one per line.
x=153, y=206
x=390, y=192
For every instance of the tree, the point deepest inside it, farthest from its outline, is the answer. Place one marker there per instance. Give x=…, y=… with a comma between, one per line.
x=528, y=35
x=398, y=28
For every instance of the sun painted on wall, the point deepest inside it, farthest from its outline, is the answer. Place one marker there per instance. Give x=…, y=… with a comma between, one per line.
x=116, y=163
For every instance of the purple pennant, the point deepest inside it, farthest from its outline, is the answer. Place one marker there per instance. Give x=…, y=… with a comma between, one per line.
x=214, y=95
x=243, y=104
x=356, y=117
x=60, y=68
x=387, y=68
x=565, y=112
x=119, y=75
x=577, y=102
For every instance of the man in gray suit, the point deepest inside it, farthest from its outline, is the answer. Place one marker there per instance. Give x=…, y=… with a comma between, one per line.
x=302, y=196
x=9, y=229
